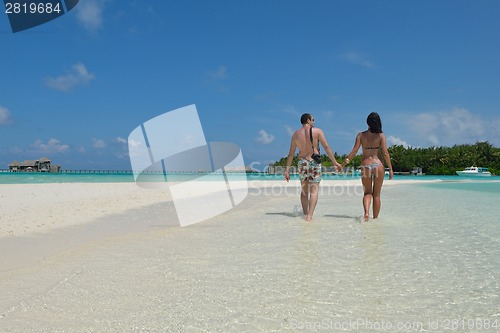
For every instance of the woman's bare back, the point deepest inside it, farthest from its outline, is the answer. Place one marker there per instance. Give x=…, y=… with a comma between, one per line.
x=370, y=143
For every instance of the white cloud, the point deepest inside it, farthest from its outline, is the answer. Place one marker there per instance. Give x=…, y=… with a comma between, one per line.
x=458, y=126
x=76, y=76
x=264, y=137
x=392, y=140
x=217, y=78
x=16, y=150
x=267, y=96
x=462, y=121
x=356, y=58
x=134, y=144
x=328, y=114
x=494, y=132
x=289, y=130
x=122, y=155
x=218, y=74
x=52, y=146
x=5, y=116
x=99, y=144
x=121, y=140
x=125, y=154
x=135, y=148
x=495, y=126
x=89, y=14
x=290, y=109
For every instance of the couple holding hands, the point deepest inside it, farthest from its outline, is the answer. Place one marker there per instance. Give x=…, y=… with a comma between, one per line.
x=372, y=141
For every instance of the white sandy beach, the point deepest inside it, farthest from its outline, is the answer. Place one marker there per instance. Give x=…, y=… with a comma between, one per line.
x=28, y=208
x=39, y=208
x=112, y=258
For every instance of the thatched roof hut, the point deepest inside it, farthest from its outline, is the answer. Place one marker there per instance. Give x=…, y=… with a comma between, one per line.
x=43, y=164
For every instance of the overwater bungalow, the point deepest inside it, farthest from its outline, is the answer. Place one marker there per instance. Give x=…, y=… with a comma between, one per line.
x=43, y=164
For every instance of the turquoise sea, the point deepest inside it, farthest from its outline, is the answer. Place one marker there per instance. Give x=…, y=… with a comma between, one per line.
x=125, y=177
x=44, y=178
x=428, y=264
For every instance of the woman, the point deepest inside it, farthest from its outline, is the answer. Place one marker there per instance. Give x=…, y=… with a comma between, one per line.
x=373, y=170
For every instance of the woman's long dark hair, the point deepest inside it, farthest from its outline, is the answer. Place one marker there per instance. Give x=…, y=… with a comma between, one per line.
x=374, y=122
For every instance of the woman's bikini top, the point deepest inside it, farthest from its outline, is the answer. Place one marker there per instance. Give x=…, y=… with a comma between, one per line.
x=370, y=148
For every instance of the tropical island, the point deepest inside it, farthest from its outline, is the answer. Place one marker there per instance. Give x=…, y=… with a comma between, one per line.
x=432, y=160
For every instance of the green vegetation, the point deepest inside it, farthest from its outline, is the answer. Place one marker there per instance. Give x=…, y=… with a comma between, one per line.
x=432, y=160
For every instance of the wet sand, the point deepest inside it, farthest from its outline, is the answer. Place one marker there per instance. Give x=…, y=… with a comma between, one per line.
x=255, y=268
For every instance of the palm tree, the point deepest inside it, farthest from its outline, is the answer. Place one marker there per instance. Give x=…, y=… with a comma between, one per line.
x=397, y=153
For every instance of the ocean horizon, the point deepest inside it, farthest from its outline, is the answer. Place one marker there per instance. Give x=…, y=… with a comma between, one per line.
x=105, y=176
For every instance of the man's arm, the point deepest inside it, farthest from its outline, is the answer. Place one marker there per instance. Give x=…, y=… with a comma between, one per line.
x=329, y=152
x=291, y=152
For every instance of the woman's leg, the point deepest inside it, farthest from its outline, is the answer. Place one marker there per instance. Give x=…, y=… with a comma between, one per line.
x=366, y=180
x=378, y=179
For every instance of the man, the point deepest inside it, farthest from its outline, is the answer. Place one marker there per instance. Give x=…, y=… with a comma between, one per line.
x=309, y=170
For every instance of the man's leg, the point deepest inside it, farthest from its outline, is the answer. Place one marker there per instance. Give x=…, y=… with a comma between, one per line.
x=304, y=196
x=313, y=199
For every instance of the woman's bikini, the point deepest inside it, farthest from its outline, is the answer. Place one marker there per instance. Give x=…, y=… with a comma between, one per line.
x=371, y=166
x=374, y=165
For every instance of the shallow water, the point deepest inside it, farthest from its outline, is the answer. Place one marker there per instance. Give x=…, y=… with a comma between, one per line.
x=126, y=177
x=430, y=263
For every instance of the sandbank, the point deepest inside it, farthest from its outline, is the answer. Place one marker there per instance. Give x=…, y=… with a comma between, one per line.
x=41, y=208
x=127, y=266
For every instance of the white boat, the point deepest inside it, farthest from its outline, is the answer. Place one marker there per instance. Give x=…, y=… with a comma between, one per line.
x=474, y=172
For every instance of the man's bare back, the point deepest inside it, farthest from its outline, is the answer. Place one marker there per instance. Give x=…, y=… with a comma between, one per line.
x=303, y=142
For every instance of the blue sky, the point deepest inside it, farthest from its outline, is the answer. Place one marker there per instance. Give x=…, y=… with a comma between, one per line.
x=74, y=88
